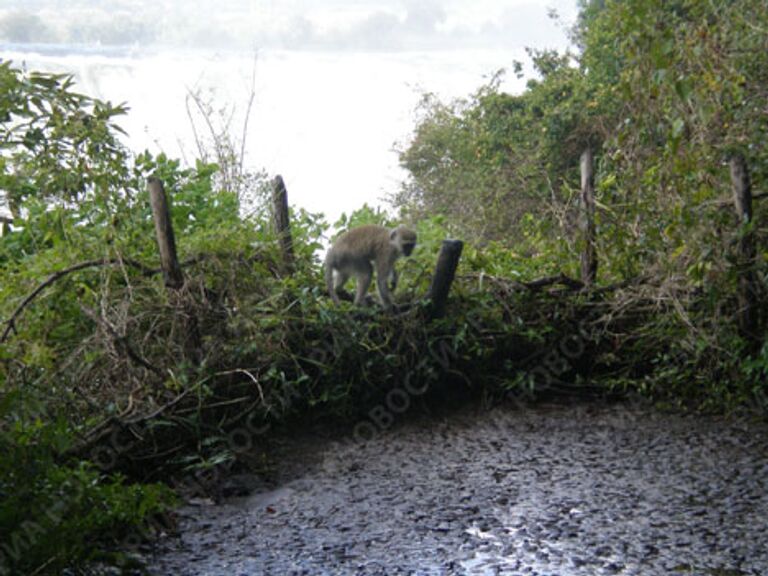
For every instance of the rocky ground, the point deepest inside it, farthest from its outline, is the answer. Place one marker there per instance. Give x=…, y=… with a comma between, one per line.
x=555, y=490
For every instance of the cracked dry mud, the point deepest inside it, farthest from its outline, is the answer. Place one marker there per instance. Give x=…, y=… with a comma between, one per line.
x=555, y=490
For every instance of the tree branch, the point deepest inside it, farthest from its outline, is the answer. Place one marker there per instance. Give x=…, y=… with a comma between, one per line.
x=11, y=322
x=561, y=278
x=120, y=342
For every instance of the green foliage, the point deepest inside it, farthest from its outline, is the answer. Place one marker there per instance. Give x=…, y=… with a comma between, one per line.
x=491, y=161
x=689, y=97
x=664, y=93
x=77, y=197
x=56, y=514
x=56, y=144
x=363, y=215
x=311, y=359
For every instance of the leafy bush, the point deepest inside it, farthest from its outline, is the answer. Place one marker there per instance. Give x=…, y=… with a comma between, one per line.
x=54, y=512
x=664, y=93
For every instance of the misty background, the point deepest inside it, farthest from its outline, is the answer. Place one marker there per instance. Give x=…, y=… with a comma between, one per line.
x=336, y=83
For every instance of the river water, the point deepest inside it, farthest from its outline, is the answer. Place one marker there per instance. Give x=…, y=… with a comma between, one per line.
x=328, y=121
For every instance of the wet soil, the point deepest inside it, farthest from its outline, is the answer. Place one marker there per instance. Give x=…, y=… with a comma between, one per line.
x=551, y=490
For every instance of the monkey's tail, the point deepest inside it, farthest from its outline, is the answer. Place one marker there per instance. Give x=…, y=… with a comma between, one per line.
x=329, y=281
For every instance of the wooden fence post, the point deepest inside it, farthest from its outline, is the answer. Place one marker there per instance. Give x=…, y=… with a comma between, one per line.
x=587, y=219
x=172, y=274
x=445, y=270
x=282, y=223
x=166, y=243
x=747, y=282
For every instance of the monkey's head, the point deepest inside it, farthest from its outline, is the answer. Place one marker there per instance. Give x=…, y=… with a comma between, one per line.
x=404, y=239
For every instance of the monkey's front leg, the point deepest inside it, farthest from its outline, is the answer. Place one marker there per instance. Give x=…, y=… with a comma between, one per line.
x=383, y=274
x=393, y=280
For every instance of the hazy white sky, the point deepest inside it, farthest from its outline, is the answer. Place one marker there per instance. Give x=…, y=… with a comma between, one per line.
x=337, y=82
x=307, y=24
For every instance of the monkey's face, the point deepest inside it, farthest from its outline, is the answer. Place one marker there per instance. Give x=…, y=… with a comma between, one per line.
x=403, y=240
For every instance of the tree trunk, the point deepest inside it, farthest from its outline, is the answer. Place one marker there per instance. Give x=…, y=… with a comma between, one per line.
x=747, y=282
x=587, y=220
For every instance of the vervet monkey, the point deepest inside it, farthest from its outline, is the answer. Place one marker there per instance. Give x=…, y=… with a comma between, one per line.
x=357, y=251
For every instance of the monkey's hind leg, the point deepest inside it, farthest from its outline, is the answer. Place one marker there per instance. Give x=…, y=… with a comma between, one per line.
x=339, y=279
x=364, y=276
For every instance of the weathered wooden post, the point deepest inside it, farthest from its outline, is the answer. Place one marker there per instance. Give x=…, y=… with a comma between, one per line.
x=282, y=223
x=172, y=274
x=445, y=270
x=166, y=242
x=747, y=282
x=587, y=219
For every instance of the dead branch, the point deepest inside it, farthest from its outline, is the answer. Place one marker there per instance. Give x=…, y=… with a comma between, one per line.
x=532, y=285
x=110, y=425
x=250, y=375
x=561, y=278
x=571, y=284
x=623, y=284
x=248, y=109
x=727, y=203
x=11, y=322
x=120, y=342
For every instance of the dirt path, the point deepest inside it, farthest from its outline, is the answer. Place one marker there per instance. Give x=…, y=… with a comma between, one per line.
x=550, y=490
